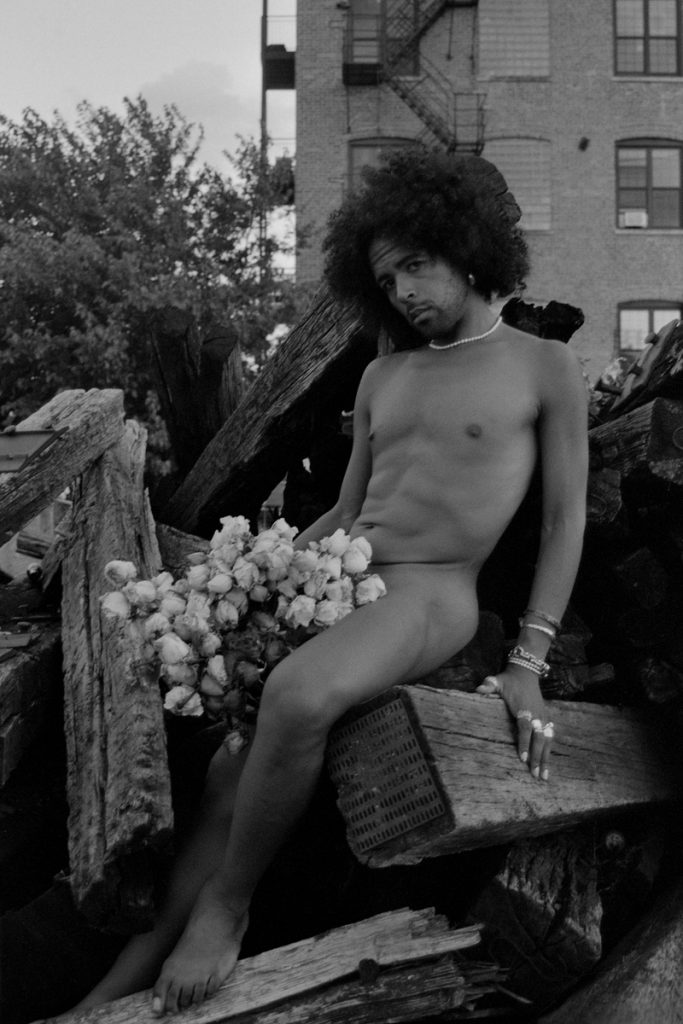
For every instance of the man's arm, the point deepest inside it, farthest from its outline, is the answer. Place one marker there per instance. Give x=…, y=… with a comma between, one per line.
x=354, y=485
x=563, y=441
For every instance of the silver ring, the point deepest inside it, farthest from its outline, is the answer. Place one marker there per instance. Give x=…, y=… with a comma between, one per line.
x=523, y=714
x=537, y=725
x=493, y=681
x=549, y=731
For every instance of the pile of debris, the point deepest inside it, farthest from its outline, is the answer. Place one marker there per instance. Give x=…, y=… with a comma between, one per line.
x=567, y=855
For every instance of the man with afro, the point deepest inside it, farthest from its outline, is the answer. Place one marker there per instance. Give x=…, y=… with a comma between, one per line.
x=448, y=430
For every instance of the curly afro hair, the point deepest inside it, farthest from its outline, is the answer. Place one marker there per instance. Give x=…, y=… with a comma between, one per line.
x=455, y=207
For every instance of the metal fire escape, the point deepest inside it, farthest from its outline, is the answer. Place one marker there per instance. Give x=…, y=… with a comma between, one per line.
x=455, y=120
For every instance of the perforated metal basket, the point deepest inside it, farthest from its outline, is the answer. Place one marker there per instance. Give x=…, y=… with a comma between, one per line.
x=385, y=784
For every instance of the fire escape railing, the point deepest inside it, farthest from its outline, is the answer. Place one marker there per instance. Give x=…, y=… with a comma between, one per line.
x=387, y=49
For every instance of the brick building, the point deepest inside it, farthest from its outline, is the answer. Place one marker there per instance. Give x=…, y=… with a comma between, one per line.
x=579, y=104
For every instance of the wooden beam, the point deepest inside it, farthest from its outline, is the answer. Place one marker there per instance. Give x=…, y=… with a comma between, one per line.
x=91, y=420
x=649, y=439
x=118, y=782
x=29, y=681
x=641, y=979
x=251, y=452
x=283, y=985
x=422, y=772
x=198, y=380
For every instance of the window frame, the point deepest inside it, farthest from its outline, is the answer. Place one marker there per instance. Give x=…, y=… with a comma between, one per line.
x=647, y=71
x=651, y=306
x=647, y=144
x=387, y=142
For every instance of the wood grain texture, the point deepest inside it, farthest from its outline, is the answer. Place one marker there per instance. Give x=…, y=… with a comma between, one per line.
x=118, y=783
x=92, y=421
x=641, y=980
x=27, y=682
x=250, y=453
x=604, y=760
x=304, y=967
x=648, y=439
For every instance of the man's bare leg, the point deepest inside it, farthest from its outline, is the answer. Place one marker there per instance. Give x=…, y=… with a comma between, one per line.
x=421, y=622
x=138, y=964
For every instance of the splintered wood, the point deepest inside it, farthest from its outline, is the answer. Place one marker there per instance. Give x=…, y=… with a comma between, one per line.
x=393, y=967
x=91, y=420
x=443, y=775
x=118, y=783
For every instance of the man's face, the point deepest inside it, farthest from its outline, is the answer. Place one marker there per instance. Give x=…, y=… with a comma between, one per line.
x=425, y=289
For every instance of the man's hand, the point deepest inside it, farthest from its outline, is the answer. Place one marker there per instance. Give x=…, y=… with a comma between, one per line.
x=522, y=695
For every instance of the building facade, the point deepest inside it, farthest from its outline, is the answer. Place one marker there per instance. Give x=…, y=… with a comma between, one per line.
x=579, y=104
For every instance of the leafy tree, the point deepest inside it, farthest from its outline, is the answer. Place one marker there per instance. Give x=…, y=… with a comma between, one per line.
x=106, y=220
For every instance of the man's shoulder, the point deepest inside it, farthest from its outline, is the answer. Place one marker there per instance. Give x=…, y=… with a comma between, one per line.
x=544, y=351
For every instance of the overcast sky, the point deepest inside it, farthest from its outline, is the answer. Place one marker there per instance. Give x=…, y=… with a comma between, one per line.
x=201, y=55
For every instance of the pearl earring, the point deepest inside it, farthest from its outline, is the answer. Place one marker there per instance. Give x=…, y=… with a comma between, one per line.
x=471, y=280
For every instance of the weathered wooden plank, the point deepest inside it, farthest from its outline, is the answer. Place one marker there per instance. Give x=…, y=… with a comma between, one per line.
x=91, y=420
x=649, y=439
x=641, y=979
x=541, y=914
x=175, y=546
x=302, y=968
x=251, y=451
x=27, y=682
x=118, y=782
x=422, y=772
x=199, y=381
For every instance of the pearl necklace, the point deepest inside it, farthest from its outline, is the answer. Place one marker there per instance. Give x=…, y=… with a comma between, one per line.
x=465, y=341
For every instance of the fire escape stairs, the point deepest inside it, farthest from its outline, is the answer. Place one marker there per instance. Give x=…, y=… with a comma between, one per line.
x=454, y=120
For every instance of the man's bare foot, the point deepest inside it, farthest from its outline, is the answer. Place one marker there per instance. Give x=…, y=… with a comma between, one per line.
x=205, y=955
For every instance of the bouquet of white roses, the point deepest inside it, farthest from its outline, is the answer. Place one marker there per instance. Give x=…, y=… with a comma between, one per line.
x=217, y=631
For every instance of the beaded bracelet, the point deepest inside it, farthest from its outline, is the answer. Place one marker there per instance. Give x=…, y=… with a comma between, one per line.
x=550, y=619
x=541, y=629
x=519, y=656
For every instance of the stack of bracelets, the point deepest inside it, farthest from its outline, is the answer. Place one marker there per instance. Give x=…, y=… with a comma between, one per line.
x=519, y=656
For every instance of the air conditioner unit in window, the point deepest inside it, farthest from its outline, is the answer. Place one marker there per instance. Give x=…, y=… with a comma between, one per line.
x=634, y=218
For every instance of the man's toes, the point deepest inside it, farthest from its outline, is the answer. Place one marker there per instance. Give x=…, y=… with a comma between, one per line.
x=164, y=997
x=212, y=985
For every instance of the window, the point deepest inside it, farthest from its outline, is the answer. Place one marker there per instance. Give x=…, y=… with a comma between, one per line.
x=639, y=319
x=649, y=184
x=647, y=37
x=369, y=152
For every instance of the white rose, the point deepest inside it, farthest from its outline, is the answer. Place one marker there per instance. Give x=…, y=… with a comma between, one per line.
x=181, y=674
x=332, y=565
x=211, y=686
x=199, y=605
x=315, y=586
x=141, y=594
x=220, y=583
x=337, y=544
x=216, y=666
x=181, y=587
x=239, y=598
x=327, y=613
x=340, y=590
x=198, y=576
x=305, y=561
x=259, y=593
x=172, y=649
x=282, y=527
x=246, y=574
x=115, y=605
x=182, y=700
x=235, y=741
x=172, y=604
x=209, y=644
x=354, y=561
x=225, y=613
x=163, y=583
x=363, y=545
x=117, y=572
x=235, y=529
x=155, y=626
x=287, y=587
x=223, y=557
x=301, y=611
x=370, y=589
x=197, y=558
